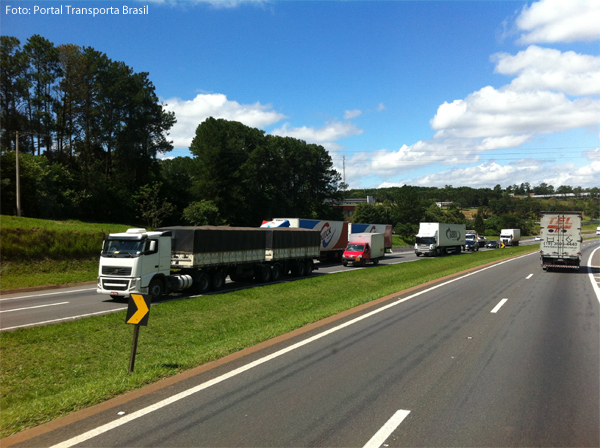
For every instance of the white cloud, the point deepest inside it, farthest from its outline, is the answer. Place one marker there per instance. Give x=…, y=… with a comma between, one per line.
x=380, y=107
x=593, y=155
x=548, y=69
x=490, y=112
x=325, y=135
x=550, y=21
x=191, y=113
x=350, y=114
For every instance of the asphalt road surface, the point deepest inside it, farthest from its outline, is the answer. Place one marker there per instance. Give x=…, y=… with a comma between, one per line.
x=24, y=309
x=506, y=355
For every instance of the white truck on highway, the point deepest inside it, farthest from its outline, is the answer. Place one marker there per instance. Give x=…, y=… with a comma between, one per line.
x=561, y=240
x=436, y=238
x=177, y=258
x=510, y=237
x=364, y=248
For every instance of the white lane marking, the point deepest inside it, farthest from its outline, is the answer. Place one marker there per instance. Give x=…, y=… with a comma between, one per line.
x=497, y=307
x=63, y=319
x=529, y=276
x=32, y=307
x=47, y=294
x=186, y=393
x=384, y=432
x=595, y=286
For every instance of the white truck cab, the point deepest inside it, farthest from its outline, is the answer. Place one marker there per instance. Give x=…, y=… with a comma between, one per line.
x=129, y=261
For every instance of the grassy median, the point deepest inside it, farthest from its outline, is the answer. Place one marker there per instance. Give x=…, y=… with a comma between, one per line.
x=50, y=371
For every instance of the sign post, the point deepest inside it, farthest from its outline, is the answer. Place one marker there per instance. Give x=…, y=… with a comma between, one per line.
x=138, y=312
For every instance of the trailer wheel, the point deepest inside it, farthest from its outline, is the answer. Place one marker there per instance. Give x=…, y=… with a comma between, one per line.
x=299, y=270
x=156, y=289
x=203, y=283
x=276, y=272
x=376, y=261
x=217, y=280
x=263, y=274
x=309, y=268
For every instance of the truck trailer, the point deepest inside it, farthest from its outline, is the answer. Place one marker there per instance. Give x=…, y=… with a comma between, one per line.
x=173, y=259
x=561, y=240
x=510, y=237
x=364, y=248
x=436, y=238
x=385, y=229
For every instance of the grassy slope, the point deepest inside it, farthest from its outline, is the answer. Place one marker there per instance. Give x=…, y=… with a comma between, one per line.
x=39, y=252
x=50, y=371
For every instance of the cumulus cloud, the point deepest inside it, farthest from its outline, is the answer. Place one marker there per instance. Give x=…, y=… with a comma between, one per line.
x=325, y=135
x=191, y=113
x=593, y=155
x=549, y=69
x=492, y=112
x=350, y=114
x=550, y=21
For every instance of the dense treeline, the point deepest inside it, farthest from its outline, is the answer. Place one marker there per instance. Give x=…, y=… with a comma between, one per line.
x=89, y=130
x=496, y=209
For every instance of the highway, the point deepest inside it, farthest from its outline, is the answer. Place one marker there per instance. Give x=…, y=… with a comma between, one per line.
x=22, y=309
x=506, y=355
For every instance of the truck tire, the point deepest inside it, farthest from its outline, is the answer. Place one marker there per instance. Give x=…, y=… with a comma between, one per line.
x=217, y=280
x=202, y=283
x=299, y=269
x=375, y=261
x=309, y=268
x=276, y=272
x=156, y=289
x=263, y=274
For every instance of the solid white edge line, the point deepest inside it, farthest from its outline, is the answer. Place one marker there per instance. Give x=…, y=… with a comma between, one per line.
x=595, y=286
x=62, y=319
x=384, y=432
x=47, y=294
x=497, y=307
x=186, y=393
x=32, y=307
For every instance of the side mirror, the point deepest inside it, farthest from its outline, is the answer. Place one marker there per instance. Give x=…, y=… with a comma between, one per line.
x=152, y=246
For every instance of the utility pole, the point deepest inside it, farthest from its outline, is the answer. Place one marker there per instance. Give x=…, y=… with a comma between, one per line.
x=18, y=177
x=344, y=167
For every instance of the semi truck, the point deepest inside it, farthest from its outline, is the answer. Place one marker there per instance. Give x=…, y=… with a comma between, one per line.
x=510, y=237
x=364, y=248
x=172, y=259
x=472, y=235
x=436, y=238
x=561, y=240
x=334, y=234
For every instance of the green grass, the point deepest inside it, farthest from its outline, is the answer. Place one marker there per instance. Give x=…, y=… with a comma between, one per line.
x=47, y=372
x=39, y=252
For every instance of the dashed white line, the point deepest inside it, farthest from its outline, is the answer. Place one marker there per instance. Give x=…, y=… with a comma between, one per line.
x=529, y=276
x=387, y=429
x=32, y=307
x=497, y=307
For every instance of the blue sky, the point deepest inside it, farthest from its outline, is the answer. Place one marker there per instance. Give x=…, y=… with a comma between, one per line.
x=433, y=93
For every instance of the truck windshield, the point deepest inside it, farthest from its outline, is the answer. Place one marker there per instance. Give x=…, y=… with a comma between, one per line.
x=355, y=247
x=425, y=240
x=123, y=248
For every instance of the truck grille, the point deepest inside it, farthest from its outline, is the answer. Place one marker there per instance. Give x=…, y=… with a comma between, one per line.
x=116, y=270
x=115, y=285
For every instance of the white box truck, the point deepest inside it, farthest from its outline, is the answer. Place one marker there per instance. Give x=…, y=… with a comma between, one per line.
x=364, y=248
x=510, y=237
x=436, y=238
x=385, y=229
x=177, y=258
x=561, y=240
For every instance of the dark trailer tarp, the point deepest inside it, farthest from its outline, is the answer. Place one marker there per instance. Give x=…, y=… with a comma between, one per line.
x=207, y=239
x=287, y=238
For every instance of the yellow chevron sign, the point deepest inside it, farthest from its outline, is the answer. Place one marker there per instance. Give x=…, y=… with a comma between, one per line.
x=138, y=309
